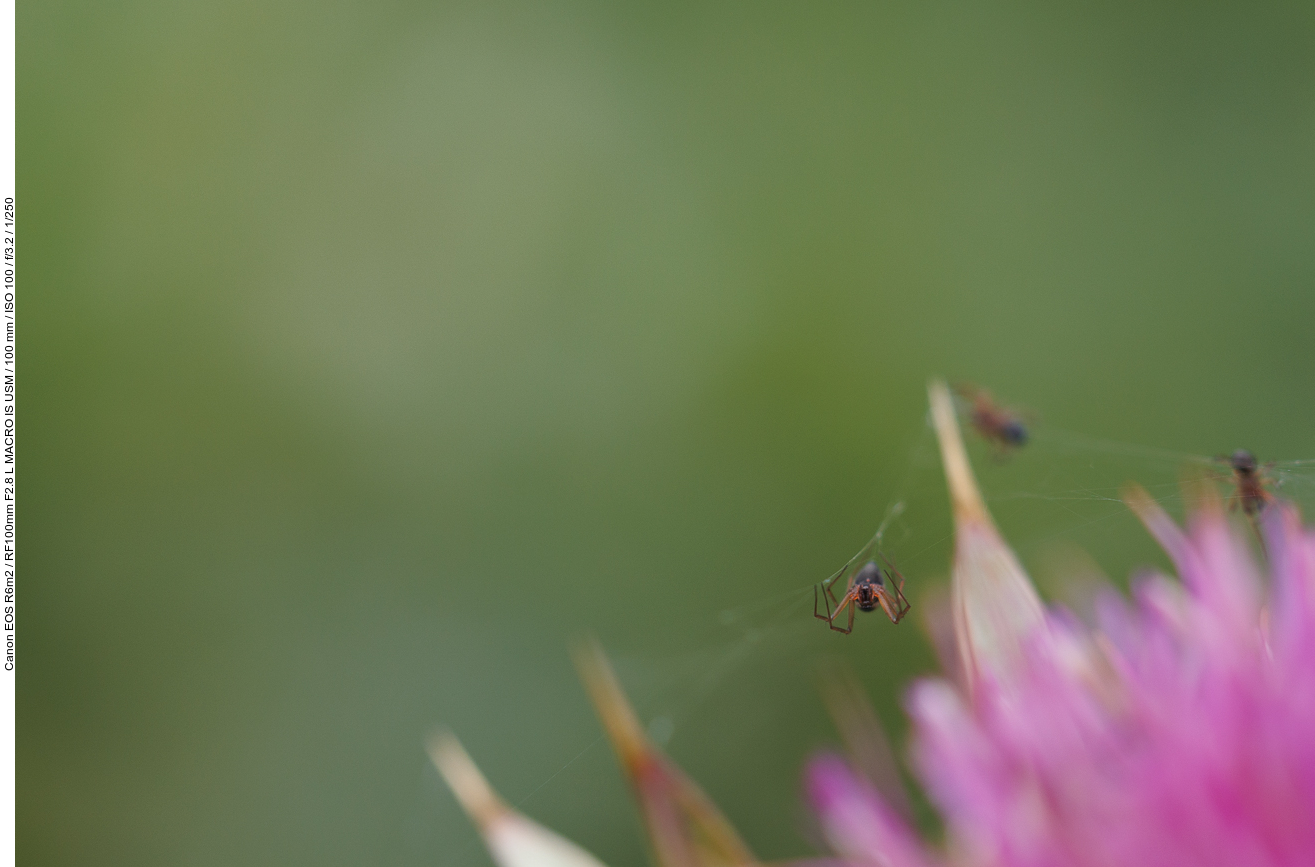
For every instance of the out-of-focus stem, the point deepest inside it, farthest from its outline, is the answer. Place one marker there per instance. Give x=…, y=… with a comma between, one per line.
x=686, y=828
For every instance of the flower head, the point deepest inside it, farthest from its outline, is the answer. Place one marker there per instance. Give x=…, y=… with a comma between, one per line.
x=1177, y=731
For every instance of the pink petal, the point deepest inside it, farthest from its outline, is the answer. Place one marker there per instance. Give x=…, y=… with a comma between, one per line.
x=858, y=824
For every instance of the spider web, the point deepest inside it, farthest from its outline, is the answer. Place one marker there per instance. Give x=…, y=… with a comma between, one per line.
x=1058, y=495
x=1057, y=502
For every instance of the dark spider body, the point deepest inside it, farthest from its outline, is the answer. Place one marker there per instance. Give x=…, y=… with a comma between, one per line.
x=994, y=423
x=1013, y=432
x=866, y=583
x=868, y=588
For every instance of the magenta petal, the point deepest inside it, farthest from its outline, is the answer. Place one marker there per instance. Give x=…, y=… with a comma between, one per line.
x=859, y=825
x=1180, y=734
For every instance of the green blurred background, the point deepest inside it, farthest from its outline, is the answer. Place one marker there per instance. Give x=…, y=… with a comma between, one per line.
x=371, y=351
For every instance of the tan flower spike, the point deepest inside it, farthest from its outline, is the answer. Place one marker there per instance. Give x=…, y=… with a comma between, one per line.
x=513, y=840
x=993, y=603
x=686, y=828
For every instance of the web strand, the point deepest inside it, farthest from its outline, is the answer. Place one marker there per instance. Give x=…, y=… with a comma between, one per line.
x=1061, y=486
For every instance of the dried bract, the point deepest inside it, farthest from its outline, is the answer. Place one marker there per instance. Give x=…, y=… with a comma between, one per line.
x=995, y=607
x=513, y=840
x=684, y=826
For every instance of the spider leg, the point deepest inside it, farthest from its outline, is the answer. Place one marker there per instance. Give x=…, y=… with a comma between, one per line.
x=850, y=626
x=828, y=598
x=902, y=604
x=894, y=604
x=899, y=602
x=889, y=606
x=892, y=574
x=832, y=594
x=832, y=580
x=847, y=602
x=827, y=616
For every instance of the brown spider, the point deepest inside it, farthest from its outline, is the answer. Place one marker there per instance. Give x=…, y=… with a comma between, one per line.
x=1252, y=482
x=1001, y=427
x=866, y=589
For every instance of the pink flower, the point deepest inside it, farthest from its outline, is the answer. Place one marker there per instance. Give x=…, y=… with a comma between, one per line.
x=1179, y=730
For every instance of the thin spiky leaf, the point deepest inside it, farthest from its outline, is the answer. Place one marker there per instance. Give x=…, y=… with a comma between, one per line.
x=685, y=827
x=513, y=839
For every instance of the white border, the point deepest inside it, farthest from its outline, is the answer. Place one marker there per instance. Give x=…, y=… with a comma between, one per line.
x=7, y=181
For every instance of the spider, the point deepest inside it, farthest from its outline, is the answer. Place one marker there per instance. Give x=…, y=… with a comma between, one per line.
x=866, y=589
x=999, y=426
x=1252, y=481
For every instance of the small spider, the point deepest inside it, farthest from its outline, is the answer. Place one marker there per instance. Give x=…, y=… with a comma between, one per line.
x=1252, y=482
x=999, y=426
x=867, y=588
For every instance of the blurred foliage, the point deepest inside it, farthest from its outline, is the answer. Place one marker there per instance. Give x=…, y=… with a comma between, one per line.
x=372, y=350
